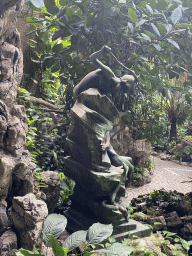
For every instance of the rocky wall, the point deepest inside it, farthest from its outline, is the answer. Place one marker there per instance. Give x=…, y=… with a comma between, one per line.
x=15, y=162
x=16, y=168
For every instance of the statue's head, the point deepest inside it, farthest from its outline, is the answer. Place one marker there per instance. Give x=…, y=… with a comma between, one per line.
x=123, y=83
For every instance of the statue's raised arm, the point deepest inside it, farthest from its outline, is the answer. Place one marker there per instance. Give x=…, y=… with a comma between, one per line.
x=104, y=78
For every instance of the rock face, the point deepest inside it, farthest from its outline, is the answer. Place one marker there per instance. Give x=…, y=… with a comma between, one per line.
x=16, y=167
x=138, y=150
x=51, y=189
x=15, y=162
x=28, y=215
x=8, y=242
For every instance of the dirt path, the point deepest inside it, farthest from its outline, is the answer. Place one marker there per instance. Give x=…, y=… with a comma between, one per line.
x=167, y=175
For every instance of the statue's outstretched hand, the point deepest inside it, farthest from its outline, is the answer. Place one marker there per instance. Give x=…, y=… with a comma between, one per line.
x=105, y=49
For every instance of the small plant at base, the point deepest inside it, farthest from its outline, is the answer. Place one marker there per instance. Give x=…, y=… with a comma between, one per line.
x=66, y=187
x=79, y=242
x=149, y=164
x=179, y=242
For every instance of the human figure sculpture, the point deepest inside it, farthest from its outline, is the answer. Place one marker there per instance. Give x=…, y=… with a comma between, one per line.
x=107, y=83
x=92, y=162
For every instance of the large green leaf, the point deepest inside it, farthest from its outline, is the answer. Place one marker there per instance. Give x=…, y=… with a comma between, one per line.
x=169, y=28
x=155, y=29
x=157, y=47
x=149, y=9
x=57, y=48
x=62, y=2
x=74, y=240
x=146, y=37
x=173, y=43
x=54, y=224
x=98, y=232
x=57, y=249
x=176, y=15
x=62, y=12
x=161, y=28
x=37, y=3
x=60, y=33
x=51, y=6
x=150, y=34
x=142, y=4
x=24, y=252
x=117, y=249
x=152, y=3
x=188, y=98
x=141, y=22
x=132, y=15
x=121, y=249
x=130, y=26
x=161, y=5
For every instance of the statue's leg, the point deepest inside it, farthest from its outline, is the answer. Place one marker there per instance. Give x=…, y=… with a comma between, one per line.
x=117, y=160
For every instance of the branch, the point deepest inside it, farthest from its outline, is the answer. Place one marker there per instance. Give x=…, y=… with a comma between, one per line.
x=43, y=102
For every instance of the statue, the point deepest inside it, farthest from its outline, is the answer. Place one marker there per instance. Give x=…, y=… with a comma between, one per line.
x=99, y=172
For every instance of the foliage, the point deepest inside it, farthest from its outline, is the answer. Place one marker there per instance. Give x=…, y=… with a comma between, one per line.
x=46, y=141
x=66, y=187
x=54, y=224
x=151, y=38
x=163, y=195
x=149, y=164
x=80, y=240
x=178, y=241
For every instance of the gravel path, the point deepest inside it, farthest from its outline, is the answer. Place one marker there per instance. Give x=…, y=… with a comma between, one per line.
x=167, y=175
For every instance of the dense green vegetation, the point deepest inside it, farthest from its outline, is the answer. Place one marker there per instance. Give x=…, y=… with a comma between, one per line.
x=151, y=38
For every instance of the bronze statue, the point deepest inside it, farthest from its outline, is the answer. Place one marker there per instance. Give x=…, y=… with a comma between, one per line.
x=99, y=172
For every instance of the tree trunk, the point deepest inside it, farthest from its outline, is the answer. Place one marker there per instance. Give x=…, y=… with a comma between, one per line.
x=173, y=130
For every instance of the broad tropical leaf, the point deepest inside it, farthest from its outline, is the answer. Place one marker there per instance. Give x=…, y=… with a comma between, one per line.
x=24, y=252
x=157, y=47
x=117, y=249
x=176, y=15
x=155, y=29
x=98, y=232
x=57, y=249
x=74, y=240
x=169, y=28
x=37, y=3
x=146, y=37
x=54, y=225
x=121, y=249
x=130, y=26
x=149, y=9
x=173, y=43
x=51, y=6
x=132, y=15
x=141, y=22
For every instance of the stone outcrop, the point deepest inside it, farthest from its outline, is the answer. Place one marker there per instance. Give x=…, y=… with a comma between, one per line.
x=16, y=168
x=28, y=215
x=123, y=143
x=51, y=189
x=8, y=242
x=15, y=162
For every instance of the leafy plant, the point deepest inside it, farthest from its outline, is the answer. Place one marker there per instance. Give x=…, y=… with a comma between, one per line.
x=66, y=187
x=179, y=242
x=93, y=236
x=54, y=224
